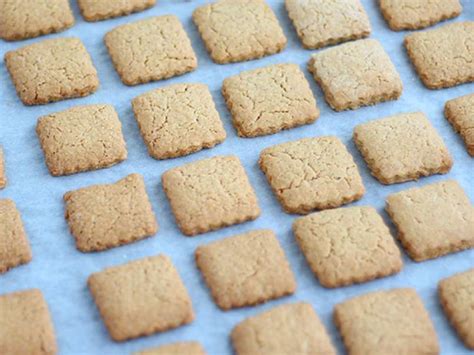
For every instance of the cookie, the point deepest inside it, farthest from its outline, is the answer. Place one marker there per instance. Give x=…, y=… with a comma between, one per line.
x=81, y=138
x=356, y=74
x=347, y=245
x=427, y=232
x=239, y=30
x=52, y=70
x=311, y=173
x=23, y=19
x=25, y=324
x=14, y=247
x=152, y=49
x=287, y=329
x=415, y=14
x=401, y=148
x=141, y=297
x=210, y=194
x=101, y=217
x=182, y=348
x=320, y=23
x=178, y=120
x=270, y=99
x=460, y=113
x=456, y=294
x=93, y=10
x=246, y=269
x=442, y=57
x=386, y=322
x=3, y=175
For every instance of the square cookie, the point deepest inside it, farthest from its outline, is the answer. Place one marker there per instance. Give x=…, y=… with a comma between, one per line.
x=3, y=175
x=416, y=14
x=152, y=49
x=21, y=19
x=81, y=138
x=210, y=194
x=182, y=348
x=25, y=324
x=93, y=10
x=141, y=297
x=386, y=322
x=178, y=120
x=347, y=245
x=356, y=74
x=312, y=173
x=238, y=30
x=433, y=220
x=442, y=57
x=456, y=294
x=246, y=269
x=14, y=247
x=460, y=113
x=401, y=148
x=287, y=329
x=52, y=70
x=105, y=216
x=321, y=23
x=270, y=99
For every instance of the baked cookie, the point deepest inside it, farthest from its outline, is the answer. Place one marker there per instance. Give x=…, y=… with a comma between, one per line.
x=93, y=10
x=356, y=74
x=182, y=348
x=3, y=175
x=460, y=113
x=238, y=30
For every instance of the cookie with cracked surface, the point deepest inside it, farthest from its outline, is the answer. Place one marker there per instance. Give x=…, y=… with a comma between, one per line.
x=456, y=294
x=101, y=217
x=14, y=247
x=246, y=269
x=93, y=10
x=320, y=23
x=441, y=56
x=141, y=297
x=386, y=322
x=312, y=173
x=182, y=348
x=239, y=30
x=52, y=70
x=427, y=232
x=460, y=113
x=81, y=138
x=26, y=326
x=22, y=19
x=356, y=74
x=415, y=14
x=3, y=175
x=286, y=329
x=402, y=147
x=152, y=49
x=347, y=245
x=178, y=120
x=210, y=194
x=267, y=100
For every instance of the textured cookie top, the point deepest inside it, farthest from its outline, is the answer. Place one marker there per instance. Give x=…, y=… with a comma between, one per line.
x=460, y=113
x=3, y=175
x=356, y=74
x=93, y=10
x=443, y=57
x=210, y=194
x=286, y=329
x=25, y=324
x=312, y=173
x=31, y=18
x=105, y=216
x=52, y=70
x=141, y=297
x=402, y=147
x=178, y=120
x=183, y=348
x=238, y=30
x=347, y=245
x=269, y=99
x=81, y=138
x=320, y=23
x=386, y=322
x=433, y=220
x=152, y=49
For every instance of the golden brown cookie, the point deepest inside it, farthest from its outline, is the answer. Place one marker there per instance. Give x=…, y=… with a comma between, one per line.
x=3, y=175
x=460, y=113
x=182, y=348
x=96, y=10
